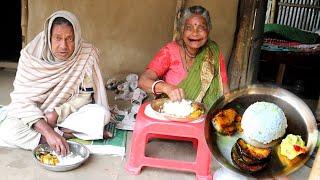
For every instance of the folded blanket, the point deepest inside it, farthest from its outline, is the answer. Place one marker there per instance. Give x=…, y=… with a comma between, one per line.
x=289, y=33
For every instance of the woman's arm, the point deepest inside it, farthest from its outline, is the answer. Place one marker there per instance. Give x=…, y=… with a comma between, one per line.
x=146, y=80
x=149, y=77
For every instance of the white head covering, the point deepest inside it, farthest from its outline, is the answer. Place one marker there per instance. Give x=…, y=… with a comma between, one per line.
x=47, y=52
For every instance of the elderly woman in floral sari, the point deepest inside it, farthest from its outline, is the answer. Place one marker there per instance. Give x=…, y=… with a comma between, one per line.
x=58, y=90
x=191, y=67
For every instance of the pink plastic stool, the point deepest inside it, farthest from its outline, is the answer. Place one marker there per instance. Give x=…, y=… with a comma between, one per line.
x=147, y=128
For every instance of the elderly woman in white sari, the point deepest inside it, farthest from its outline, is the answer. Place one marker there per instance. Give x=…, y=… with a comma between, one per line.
x=58, y=90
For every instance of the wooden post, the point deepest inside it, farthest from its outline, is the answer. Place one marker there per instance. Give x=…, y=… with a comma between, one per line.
x=237, y=65
x=242, y=66
x=179, y=6
x=280, y=74
x=273, y=11
x=257, y=40
x=24, y=21
x=318, y=111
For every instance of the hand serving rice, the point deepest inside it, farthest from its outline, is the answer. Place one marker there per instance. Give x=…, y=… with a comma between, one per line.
x=264, y=122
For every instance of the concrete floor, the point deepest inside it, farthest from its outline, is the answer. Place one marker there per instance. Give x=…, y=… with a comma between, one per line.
x=18, y=164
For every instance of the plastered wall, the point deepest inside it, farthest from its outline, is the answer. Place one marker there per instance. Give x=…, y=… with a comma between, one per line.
x=223, y=15
x=129, y=33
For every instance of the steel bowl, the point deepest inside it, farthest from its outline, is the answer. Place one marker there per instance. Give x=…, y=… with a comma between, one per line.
x=300, y=120
x=75, y=148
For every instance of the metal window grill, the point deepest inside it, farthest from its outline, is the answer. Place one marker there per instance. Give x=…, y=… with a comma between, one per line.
x=302, y=14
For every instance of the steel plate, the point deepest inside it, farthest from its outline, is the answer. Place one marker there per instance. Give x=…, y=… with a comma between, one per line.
x=157, y=106
x=300, y=122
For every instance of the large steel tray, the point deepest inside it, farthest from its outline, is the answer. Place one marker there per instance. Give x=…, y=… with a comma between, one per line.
x=300, y=122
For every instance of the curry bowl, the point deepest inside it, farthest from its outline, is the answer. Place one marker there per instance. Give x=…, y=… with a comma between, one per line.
x=299, y=118
x=197, y=113
x=78, y=151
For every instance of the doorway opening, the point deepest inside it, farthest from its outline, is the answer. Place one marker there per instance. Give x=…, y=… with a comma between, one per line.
x=10, y=31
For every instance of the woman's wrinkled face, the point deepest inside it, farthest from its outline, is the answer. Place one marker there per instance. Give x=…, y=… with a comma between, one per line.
x=195, y=32
x=62, y=41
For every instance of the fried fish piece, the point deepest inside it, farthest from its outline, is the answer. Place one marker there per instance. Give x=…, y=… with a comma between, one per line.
x=238, y=118
x=227, y=121
x=230, y=114
x=229, y=130
x=221, y=120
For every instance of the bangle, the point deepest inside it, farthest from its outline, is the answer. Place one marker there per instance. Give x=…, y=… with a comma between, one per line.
x=154, y=85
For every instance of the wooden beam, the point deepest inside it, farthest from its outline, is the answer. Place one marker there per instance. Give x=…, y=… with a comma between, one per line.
x=179, y=6
x=242, y=65
x=24, y=21
x=280, y=74
x=318, y=111
x=273, y=11
x=257, y=40
x=237, y=65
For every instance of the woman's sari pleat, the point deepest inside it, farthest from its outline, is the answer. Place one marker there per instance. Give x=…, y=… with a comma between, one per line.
x=192, y=83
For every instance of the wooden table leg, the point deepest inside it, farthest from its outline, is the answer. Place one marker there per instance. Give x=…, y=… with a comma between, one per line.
x=280, y=74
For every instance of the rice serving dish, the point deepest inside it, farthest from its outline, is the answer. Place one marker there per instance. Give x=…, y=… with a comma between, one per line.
x=300, y=121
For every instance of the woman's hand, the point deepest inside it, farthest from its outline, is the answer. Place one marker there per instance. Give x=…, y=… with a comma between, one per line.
x=147, y=79
x=175, y=93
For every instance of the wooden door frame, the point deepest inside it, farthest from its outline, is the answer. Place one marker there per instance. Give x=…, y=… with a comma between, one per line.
x=242, y=66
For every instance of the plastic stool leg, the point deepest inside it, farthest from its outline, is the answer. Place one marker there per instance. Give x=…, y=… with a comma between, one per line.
x=204, y=161
x=208, y=177
x=194, y=144
x=136, y=156
x=133, y=170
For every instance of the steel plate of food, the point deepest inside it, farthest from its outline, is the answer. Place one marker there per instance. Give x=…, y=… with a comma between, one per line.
x=48, y=159
x=261, y=131
x=182, y=111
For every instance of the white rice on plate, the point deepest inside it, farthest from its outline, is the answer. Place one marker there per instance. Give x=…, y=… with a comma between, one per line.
x=69, y=159
x=181, y=108
x=264, y=122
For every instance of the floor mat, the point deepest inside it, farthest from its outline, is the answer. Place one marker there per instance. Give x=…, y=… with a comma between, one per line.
x=114, y=146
